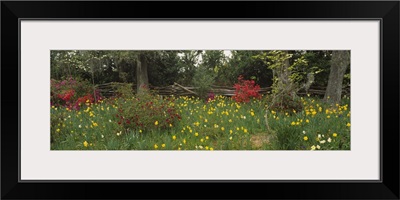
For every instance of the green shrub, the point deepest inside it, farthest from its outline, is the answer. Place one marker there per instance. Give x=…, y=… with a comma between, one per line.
x=146, y=111
x=202, y=80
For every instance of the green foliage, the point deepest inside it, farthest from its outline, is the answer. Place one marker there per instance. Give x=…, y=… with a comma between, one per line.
x=285, y=81
x=318, y=127
x=163, y=68
x=202, y=81
x=146, y=111
x=286, y=137
x=247, y=64
x=187, y=66
x=220, y=124
x=123, y=90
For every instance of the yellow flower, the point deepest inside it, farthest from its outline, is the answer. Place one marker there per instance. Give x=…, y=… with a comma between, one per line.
x=245, y=130
x=230, y=131
x=201, y=140
x=163, y=145
x=305, y=138
x=230, y=138
x=222, y=128
x=196, y=134
x=314, y=113
x=184, y=141
x=307, y=121
x=252, y=113
x=206, y=147
x=170, y=125
x=207, y=137
x=348, y=124
x=211, y=149
x=328, y=116
x=58, y=130
x=85, y=144
x=293, y=123
x=155, y=146
x=334, y=134
x=312, y=148
x=318, y=147
x=156, y=123
x=140, y=131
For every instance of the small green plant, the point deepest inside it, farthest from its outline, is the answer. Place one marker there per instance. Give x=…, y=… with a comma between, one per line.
x=202, y=81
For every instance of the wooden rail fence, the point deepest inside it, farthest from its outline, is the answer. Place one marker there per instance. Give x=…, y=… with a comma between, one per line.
x=109, y=89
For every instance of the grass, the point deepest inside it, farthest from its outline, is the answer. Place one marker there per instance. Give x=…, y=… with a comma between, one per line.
x=220, y=124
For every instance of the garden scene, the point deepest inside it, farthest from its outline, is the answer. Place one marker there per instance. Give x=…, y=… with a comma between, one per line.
x=204, y=100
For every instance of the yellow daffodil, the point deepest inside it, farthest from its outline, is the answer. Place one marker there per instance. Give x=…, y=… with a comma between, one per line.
x=85, y=143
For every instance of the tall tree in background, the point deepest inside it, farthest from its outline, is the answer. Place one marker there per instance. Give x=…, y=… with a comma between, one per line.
x=142, y=78
x=339, y=64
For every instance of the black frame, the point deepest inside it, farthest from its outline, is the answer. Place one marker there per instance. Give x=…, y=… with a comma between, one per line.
x=386, y=11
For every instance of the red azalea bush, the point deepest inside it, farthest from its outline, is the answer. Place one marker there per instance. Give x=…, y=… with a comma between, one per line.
x=146, y=111
x=245, y=89
x=72, y=93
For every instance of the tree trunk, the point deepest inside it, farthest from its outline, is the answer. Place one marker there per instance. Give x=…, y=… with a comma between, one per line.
x=141, y=73
x=283, y=73
x=339, y=63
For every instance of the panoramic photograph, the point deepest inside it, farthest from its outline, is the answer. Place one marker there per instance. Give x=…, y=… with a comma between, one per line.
x=200, y=100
